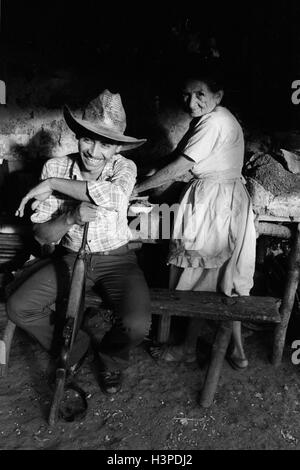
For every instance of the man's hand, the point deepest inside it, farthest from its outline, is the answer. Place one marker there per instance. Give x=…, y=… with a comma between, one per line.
x=40, y=193
x=84, y=212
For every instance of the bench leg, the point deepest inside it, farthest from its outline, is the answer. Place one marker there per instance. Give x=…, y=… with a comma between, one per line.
x=288, y=299
x=164, y=328
x=5, y=345
x=219, y=349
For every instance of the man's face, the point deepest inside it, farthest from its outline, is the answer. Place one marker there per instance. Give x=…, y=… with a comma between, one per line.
x=199, y=99
x=95, y=153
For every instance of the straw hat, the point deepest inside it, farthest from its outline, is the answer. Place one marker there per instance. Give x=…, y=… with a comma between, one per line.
x=104, y=116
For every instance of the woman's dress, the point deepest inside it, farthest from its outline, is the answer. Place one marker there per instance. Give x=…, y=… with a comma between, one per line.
x=214, y=236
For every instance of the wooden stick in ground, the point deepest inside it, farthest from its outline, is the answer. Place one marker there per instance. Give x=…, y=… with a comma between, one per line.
x=288, y=299
x=5, y=345
x=214, y=369
x=164, y=328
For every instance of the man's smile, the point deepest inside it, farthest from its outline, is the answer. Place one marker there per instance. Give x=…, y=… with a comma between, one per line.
x=94, y=160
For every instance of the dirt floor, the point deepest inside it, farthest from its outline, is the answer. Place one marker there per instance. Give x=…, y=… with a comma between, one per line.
x=156, y=409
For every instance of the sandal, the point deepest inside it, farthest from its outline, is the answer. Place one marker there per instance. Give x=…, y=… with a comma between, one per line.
x=237, y=363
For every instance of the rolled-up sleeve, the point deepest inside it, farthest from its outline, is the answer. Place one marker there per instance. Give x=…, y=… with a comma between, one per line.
x=110, y=194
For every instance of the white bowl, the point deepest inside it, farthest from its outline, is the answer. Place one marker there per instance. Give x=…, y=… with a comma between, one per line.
x=134, y=210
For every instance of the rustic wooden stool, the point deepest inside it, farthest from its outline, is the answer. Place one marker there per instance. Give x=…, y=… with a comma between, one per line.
x=208, y=305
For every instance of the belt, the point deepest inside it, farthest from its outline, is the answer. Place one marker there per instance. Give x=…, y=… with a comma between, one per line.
x=220, y=176
x=117, y=251
x=121, y=250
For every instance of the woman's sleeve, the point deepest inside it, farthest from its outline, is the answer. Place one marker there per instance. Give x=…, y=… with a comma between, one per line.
x=202, y=140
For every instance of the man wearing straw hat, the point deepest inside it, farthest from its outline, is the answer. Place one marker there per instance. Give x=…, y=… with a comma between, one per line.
x=93, y=185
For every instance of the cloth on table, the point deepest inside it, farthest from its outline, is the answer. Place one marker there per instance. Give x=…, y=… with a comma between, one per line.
x=274, y=190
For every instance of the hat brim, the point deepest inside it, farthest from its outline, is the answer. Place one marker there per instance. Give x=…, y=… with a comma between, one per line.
x=79, y=125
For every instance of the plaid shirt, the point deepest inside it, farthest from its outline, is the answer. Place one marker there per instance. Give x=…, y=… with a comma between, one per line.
x=110, y=192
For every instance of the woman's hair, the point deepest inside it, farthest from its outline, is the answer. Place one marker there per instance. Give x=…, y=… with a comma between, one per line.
x=210, y=71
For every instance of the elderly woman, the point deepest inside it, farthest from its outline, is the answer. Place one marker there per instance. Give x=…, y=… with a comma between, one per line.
x=213, y=242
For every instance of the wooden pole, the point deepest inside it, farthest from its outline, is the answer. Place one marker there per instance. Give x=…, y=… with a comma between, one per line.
x=218, y=353
x=164, y=328
x=5, y=345
x=288, y=299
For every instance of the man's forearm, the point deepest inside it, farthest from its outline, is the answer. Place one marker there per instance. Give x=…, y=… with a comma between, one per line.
x=53, y=230
x=75, y=189
x=79, y=190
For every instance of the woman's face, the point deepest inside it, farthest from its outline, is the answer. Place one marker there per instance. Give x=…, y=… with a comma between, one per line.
x=199, y=99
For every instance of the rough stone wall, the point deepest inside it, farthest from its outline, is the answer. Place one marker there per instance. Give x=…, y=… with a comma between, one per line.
x=32, y=128
x=29, y=128
x=31, y=123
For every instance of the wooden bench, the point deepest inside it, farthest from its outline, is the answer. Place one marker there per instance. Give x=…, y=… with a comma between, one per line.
x=208, y=305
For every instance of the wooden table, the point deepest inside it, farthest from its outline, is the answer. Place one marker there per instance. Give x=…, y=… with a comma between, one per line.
x=270, y=225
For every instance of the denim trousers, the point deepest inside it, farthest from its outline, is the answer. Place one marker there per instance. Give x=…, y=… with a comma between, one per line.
x=115, y=276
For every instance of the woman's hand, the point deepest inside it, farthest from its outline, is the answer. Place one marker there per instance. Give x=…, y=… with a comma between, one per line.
x=40, y=193
x=136, y=189
x=151, y=172
x=134, y=192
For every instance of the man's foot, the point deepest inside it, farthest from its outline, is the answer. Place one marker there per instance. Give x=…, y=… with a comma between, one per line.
x=110, y=381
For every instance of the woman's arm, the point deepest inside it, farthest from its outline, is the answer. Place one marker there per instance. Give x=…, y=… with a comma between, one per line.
x=179, y=166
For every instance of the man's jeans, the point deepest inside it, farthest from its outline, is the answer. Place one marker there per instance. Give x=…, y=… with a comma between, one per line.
x=115, y=276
